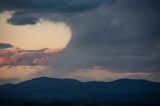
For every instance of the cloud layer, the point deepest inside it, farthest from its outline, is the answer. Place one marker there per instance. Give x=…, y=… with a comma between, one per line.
x=123, y=36
x=119, y=35
x=26, y=7
x=19, y=57
x=4, y=46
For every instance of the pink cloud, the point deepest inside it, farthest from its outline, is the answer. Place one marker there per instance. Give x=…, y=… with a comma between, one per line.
x=17, y=56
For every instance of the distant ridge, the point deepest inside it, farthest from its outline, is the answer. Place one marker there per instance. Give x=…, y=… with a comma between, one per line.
x=71, y=89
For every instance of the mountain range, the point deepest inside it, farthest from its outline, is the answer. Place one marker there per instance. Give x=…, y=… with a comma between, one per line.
x=43, y=88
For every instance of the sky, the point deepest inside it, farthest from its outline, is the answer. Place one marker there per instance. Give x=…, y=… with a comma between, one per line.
x=101, y=40
x=42, y=32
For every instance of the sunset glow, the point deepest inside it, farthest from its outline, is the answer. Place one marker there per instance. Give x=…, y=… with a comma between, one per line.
x=44, y=34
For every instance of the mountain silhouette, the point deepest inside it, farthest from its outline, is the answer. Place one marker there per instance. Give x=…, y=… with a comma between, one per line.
x=44, y=88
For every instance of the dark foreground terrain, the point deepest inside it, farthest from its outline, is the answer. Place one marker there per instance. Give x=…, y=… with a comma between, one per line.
x=69, y=92
x=79, y=103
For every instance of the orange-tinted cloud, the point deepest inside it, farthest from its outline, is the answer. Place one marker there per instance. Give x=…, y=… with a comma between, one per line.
x=17, y=56
x=101, y=74
x=20, y=72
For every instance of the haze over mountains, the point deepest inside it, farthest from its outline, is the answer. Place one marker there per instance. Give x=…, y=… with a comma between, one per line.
x=49, y=89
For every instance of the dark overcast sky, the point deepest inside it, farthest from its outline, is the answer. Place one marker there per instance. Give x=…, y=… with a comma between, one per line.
x=120, y=35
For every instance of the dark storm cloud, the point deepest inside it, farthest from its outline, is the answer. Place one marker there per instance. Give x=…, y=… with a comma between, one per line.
x=26, y=7
x=4, y=46
x=22, y=21
x=121, y=35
